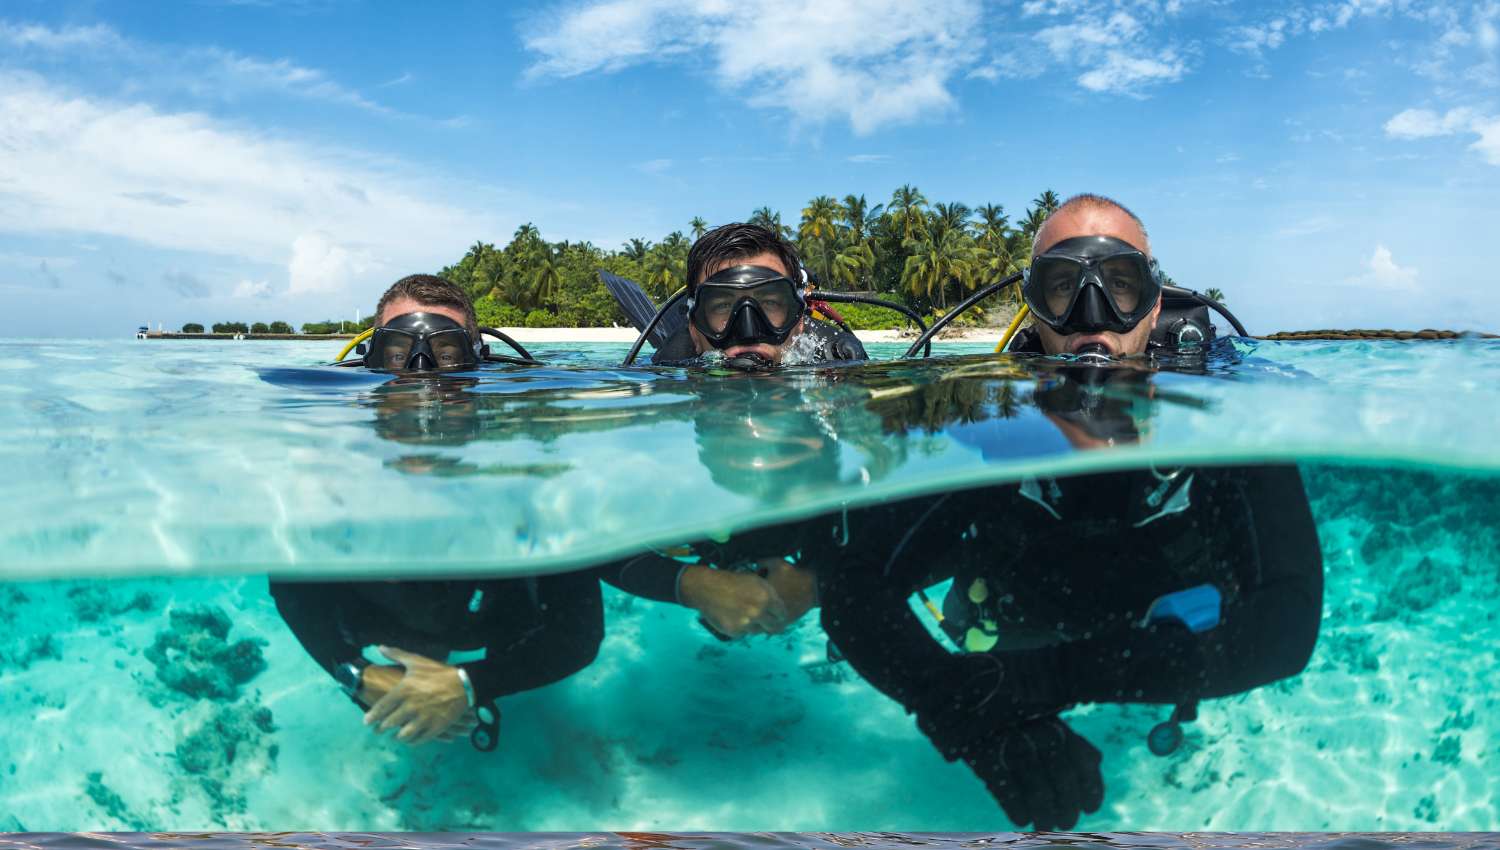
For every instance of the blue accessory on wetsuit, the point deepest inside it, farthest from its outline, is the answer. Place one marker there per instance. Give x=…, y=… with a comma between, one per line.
x=1197, y=608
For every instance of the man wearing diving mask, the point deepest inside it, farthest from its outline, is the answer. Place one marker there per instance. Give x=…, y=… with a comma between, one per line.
x=1092, y=286
x=424, y=323
x=746, y=300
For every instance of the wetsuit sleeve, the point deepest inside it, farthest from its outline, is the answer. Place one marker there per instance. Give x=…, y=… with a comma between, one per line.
x=678, y=348
x=561, y=641
x=309, y=610
x=647, y=575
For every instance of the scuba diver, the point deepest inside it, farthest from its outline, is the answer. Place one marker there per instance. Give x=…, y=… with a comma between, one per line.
x=746, y=299
x=1151, y=585
x=429, y=658
x=425, y=323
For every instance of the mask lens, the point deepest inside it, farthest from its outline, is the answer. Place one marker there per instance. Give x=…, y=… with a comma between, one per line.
x=775, y=301
x=716, y=305
x=1124, y=281
x=1056, y=281
x=448, y=349
x=393, y=349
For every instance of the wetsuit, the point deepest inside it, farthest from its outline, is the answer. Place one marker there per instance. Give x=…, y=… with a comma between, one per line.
x=534, y=631
x=1068, y=571
x=832, y=343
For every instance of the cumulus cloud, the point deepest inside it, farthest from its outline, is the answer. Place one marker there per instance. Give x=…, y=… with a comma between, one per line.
x=252, y=289
x=78, y=164
x=319, y=264
x=872, y=63
x=1426, y=124
x=1117, y=53
x=1382, y=271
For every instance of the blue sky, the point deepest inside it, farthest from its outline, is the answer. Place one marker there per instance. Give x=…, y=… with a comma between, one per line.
x=1325, y=164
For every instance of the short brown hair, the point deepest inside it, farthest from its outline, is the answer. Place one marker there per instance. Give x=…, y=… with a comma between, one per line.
x=429, y=289
x=737, y=242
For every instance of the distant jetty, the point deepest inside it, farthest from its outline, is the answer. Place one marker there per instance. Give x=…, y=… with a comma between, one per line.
x=239, y=336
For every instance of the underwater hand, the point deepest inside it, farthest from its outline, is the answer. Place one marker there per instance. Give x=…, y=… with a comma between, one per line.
x=735, y=604
x=426, y=703
x=376, y=681
x=797, y=587
x=1040, y=772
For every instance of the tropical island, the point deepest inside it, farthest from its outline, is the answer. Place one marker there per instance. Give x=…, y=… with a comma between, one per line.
x=924, y=254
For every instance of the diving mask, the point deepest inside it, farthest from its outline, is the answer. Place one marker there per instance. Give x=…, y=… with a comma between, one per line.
x=422, y=342
x=746, y=305
x=1089, y=284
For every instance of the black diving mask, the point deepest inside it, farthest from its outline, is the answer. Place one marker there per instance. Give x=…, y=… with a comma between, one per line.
x=423, y=342
x=1090, y=284
x=1108, y=404
x=746, y=305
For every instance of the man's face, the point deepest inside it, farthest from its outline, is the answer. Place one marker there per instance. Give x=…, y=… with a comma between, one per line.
x=773, y=353
x=1096, y=221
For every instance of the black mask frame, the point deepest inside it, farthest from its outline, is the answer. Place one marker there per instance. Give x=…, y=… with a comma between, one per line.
x=748, y=322
x=1100, y=270
x=422, y=342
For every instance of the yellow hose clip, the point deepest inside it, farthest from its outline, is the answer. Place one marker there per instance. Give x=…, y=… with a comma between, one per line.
x=1015, y=325
x=363, y=335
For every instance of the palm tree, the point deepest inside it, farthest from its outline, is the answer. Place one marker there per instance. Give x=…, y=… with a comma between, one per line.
x=858, y=218
x=906, y=211
x=931, y=264
x=946, y=217
x=818, y=228
x=699, y=227
x=665, y=271
x=851, y=264
x=769, y=220
x=636, y=249
x=1215, y=294
x=992, y=224
x=1047, y=202
x=543, y=278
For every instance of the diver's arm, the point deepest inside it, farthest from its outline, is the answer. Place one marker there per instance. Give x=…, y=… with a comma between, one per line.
x=566, y=641
x=310, y=610
x=647, y=575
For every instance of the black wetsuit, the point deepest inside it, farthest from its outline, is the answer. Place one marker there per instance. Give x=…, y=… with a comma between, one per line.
x=534, y=630
x=1069, y=570
x=832, y=343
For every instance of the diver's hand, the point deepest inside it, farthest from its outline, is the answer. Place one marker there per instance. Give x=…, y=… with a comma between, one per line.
x=427, y=703
x=734, y=604
x=1040, y=772
x=375, y=681
x=797, y=587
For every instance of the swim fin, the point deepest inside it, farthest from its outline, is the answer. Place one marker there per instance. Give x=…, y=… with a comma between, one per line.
x=637, y=306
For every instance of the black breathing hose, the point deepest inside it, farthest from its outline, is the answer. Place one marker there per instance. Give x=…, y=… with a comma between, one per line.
x=926, y=337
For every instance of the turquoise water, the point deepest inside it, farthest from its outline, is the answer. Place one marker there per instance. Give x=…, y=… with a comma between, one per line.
x=181, y=474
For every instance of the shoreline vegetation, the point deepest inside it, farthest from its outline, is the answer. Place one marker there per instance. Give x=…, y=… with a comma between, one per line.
x=623, y=335
x=925, y=255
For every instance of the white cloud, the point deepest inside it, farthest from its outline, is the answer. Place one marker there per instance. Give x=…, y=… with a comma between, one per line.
x=75, y=164
x=1227, y=158
x=866, y=158
x=33, y=36
x=1125, y=74
x=320, y=264
x=1384, y=272
x=873, y=63
x=1307, y=227
x=1426, y=124
x=1115, y=50
x=252, y=289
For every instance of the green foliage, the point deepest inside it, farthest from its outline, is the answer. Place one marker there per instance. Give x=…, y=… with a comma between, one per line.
x=281, y=328
x=1215, y=294
x=260, y=328
x=192, y=328
x=924, y=253
x=231, y=328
